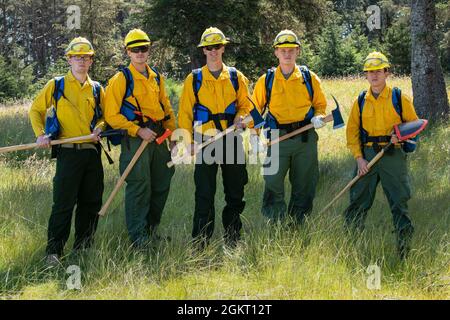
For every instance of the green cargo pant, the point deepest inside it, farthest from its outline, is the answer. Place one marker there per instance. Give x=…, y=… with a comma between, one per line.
x=299, y=157
x=147, y=188
x=392, y=171
x=78, y=181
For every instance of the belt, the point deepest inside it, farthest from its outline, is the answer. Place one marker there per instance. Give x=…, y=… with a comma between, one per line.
x=79, y=146
x=289, y=127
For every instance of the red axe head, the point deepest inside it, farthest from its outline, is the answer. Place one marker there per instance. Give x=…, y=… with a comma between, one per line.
x=407, y=130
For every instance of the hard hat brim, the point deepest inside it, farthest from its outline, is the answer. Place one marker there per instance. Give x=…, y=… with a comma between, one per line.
x=287, y=45
x=72, y=53
x=139, y=44
x=380, y=67
x=224, y=42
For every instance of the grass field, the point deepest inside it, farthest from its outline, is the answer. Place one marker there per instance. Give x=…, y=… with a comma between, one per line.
x=317, y=261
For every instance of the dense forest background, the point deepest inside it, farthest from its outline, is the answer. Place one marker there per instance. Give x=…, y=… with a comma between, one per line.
x=335, y=35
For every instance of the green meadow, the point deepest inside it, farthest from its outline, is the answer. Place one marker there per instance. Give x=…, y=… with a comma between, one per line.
x=318, y=260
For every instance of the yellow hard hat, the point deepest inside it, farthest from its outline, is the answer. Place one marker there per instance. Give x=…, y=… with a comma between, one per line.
x=286, y=39
x=136, y=38
x=212, y=36
x=376, y=61
x=80, y=46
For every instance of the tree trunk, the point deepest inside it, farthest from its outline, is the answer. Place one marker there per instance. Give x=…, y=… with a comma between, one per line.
x=430, y=95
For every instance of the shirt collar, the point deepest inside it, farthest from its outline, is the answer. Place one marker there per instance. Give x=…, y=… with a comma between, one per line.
x=137, y=75
x=208, y=76
x=296, y=74
x=70, y=77
x=383, y=94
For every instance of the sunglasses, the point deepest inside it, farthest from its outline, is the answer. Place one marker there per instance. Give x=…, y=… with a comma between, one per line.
x=141, y=49
x=215, y=46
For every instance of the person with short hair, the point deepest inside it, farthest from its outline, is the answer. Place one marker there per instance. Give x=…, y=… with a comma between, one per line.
x=369, y=128
x=214, y=98
x=136, y=100
x=76, y=103
x=293, y=97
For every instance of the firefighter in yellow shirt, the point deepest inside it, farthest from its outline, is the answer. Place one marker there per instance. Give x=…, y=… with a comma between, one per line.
x=215, y=97
x=136, y=100
x=292, y=97
x=76, y=103
x=369, y=128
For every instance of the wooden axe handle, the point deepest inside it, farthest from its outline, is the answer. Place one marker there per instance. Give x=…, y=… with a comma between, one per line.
x=52, y=142
x=328, y=118
x=123, y=177
x=218, y=136
x=354, y=180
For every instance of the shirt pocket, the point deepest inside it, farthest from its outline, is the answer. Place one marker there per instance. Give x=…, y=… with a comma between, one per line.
x=229, y=95
x=277, y=99
x=66, y=112
x=299, y=95
x=152, y=94
x=140, y=92
x=88, y=113
x=368, y=116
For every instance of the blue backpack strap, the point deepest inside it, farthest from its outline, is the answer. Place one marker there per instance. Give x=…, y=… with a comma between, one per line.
x=270, y=75
x=158, y=77
x=308, y=80
x=52, y=126
x=197, y=82
x=234, y=78
x=201, y=113
x=309, y=115
x=59, y=89
x=129, y=82
x=158, y=82
x=361, y=101
x=96, y=91
x=397, y=101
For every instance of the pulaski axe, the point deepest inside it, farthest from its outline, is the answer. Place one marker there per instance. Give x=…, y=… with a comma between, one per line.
x=335, y=116
x=403, y=131
x=254, y=115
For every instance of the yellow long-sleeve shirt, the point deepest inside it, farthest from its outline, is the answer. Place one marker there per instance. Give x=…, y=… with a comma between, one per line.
x=290, y=100
x=148, y=94
x=216, y=95
x=75, y=110
x=378, y=117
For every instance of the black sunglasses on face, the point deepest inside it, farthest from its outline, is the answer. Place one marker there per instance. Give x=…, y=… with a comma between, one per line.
x=215, y=46
x=142, y=49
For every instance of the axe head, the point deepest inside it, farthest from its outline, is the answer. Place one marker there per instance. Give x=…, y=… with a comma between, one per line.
x=164, y=136
x=338, y=122
x=407, y=130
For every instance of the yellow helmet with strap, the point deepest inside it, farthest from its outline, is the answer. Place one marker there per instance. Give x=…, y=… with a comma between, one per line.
x=212, y=36
x=80, y=46
x=286, y=39
x=376, y=61
x=136, y=38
